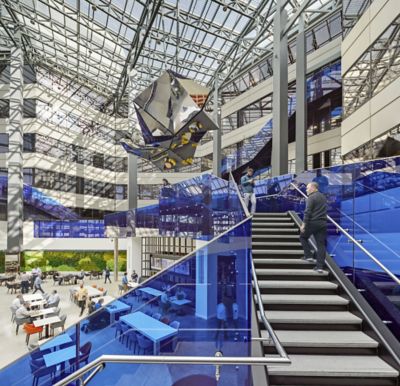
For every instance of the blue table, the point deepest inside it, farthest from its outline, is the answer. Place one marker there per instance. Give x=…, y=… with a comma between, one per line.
x=60, y=356
x=151, y=291
x=151, y=328
x=116, y=307
x=57, y=341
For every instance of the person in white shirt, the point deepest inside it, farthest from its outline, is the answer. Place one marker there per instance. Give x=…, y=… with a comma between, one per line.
x=16, y=303
x=22, y=312
x=235, y=318
x=37, y=285
x=53, y=298
x=220, y=334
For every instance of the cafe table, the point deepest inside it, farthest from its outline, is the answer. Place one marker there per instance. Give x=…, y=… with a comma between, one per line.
x=151, y=328
x=46, y=322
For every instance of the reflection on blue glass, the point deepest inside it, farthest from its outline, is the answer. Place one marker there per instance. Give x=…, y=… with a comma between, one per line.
x=363, y=199
x=201, y=207
x=197, y=307
x=69, y=229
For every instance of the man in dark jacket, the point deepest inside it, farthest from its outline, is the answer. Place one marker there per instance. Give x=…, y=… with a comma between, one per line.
x=314, y=224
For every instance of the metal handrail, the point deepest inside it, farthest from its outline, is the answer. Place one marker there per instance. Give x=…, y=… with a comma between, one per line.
x=267, y=326
x=100, y=362
x=244, y=207
x=353, y=240
x=271, y=332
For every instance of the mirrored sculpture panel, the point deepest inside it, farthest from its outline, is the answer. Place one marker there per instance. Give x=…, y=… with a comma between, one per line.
x=172, y=121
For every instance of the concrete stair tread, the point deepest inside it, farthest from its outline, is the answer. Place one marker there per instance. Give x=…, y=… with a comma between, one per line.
x=280, y=214
x=278, y=251
x=303, y=299
x=280, y=230
x=272, y=224
x=334, y=366
x=306, y=338
x=289, y=272
x=311, y=317
x=289, y=237
x=299, y=262
x=277, y=243
x=319, y=284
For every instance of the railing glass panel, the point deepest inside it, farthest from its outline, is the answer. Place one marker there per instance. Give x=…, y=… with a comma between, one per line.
x=199, y=306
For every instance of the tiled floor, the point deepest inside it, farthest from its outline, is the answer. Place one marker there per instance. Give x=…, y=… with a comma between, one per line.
x=196, y=337
x=12, y=346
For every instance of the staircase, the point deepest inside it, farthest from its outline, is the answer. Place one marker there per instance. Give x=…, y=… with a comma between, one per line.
x=324, y=340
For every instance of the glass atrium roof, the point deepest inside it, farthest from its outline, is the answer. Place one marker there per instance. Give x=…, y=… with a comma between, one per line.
x=97, y=42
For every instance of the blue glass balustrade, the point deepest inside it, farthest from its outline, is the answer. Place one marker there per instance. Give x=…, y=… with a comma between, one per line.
x=364, y=199
x=201, y=207
x=196, y=307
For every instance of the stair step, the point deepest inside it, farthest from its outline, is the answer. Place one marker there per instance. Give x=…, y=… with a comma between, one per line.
x=276, y=244
x=273, y=224
x=304, y=299
x=275, y=252
x=273, y=237
x=270, y=230
x=289, y=272
x=347, y=366
x=272, y=214
x=311, y=317
x=272, y=219
x=294, y=284
x=339, y=339
x=275, y=261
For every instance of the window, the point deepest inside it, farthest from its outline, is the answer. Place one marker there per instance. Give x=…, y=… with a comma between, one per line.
x=3, y=143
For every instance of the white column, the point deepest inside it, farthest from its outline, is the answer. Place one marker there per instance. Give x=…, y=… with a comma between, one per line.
x=134, y=255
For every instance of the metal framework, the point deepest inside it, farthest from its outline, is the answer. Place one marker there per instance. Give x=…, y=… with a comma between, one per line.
x=374, y=70
x=97, y=42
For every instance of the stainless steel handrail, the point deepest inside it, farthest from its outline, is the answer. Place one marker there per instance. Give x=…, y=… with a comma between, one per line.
x=271, y=332
x=245, y=208
x=186, y=360
x=267, y=326
x=352, y=239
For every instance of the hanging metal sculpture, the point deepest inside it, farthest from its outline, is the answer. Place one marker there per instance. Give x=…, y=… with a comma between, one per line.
x=172, y=121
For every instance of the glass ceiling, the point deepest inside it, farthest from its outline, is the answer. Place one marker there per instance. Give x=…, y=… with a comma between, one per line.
x=96, y=42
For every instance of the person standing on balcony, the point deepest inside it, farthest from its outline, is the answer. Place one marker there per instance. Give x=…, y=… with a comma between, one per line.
x=247, y=182
x=314, y=224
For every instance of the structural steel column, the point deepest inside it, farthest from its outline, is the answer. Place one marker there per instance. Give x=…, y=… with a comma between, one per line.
x=116, y=252
x=15, y=161
x=217, y=133
x=301, y=98
x=279, y=160
x=132, y=159
x=132, y=181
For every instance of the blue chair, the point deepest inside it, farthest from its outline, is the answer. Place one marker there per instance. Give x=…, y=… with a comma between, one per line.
x=39, y=370
x=132, y=340
x=144, y=344
x=157, y=316
x=175, y=324
x=120, y=330
x=84, y=355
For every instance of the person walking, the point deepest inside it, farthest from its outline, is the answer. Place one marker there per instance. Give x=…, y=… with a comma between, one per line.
x=247, y=182
x=125, y=281
x=81, y=297
x=24, y=283
x=37, y=285
x=107, y=274
x=314, y=224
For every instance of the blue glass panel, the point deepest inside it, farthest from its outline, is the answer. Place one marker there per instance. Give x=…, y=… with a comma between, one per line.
x=70, y=229
x=201, y=207
x=196, y=307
